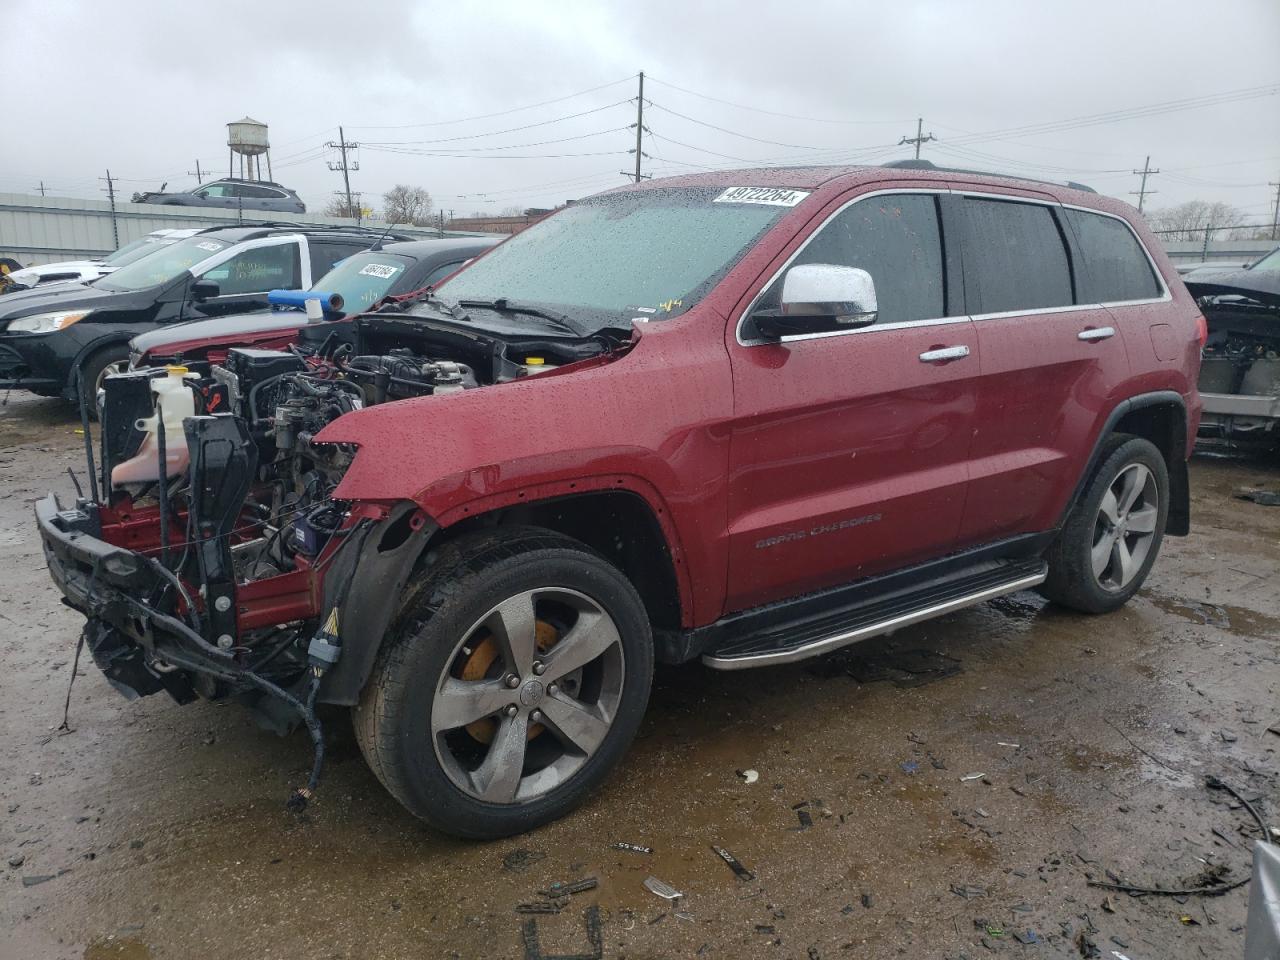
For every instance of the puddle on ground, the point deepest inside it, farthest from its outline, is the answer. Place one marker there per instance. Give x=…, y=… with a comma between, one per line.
x=1083, y=758
x=1239, y=620
x=117, y=948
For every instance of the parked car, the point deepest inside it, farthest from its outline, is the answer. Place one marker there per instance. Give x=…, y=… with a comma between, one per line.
x=362, y=280
x=82, y=271
x=1268, y=263
x=54, y=339
x=746, y=417
x=1240, y=373
x=230, y=192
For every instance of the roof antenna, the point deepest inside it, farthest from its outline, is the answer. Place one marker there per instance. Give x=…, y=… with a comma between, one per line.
x=377, y=244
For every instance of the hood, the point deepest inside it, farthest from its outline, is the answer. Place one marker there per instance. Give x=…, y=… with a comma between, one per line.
x=84, y=270
x=71, y=295
x=218, y=330
x=1260, y=285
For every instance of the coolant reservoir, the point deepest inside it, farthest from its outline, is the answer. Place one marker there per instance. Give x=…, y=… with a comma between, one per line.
x=174, y=403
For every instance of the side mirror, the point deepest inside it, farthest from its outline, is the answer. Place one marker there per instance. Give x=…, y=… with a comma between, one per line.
x=204, y=290
x=820, y=298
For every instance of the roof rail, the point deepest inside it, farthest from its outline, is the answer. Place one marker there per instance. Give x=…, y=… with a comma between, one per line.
x=929, y=165
x=294, y=225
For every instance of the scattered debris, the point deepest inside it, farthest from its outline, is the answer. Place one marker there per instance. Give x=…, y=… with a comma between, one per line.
x=868, y=901
x=973, y=776
x=517, y=861
x=910, y=766
x=1264, y=498
x=1027, y=939
x=765, y=928
x=748, y=776
x=967, y=892
x=633, y=847
x=542, y=906
x=734, y=863
x=595, y=938
x=17, y=861
x=558, y=889
x=1186, y=919
x=662, y=889
x=806, y=821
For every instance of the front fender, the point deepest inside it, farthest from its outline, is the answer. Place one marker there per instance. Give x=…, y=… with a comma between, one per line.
x=652, y=422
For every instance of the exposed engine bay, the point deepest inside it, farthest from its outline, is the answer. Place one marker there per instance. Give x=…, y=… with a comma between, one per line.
x=209, y=553
x=1240, y=366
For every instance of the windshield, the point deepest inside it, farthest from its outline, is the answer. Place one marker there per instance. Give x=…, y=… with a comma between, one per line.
x=363, y=279
x=165, y=265
x=1270, y=262
x=647, y=255
x=137, y=250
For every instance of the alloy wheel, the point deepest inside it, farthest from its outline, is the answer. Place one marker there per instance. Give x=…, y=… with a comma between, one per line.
x=1125, y=527
x=528, y=695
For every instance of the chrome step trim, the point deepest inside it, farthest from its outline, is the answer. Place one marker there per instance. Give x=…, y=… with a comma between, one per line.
x=834, y=642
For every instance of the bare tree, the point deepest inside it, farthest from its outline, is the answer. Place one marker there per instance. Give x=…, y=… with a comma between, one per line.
x=1190, y=220
x=406, y=204
x=511, y=212
x=338, y=207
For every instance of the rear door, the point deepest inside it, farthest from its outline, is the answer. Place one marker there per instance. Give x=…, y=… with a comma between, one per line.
x=1051, y=363
x=246, y=276
x=848, y=451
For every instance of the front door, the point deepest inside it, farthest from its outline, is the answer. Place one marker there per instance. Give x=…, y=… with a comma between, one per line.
x=848, y=454
x=245, y=278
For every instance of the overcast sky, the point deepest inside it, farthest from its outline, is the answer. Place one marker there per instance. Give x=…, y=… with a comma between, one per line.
x=147, y=88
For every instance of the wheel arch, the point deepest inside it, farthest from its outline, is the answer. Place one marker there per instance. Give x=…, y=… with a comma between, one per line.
x=1161, y=417
x=618, y=523
x=91, y=349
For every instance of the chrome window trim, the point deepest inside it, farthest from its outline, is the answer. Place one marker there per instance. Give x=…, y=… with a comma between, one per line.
x=869, y=328
x=1166, y=295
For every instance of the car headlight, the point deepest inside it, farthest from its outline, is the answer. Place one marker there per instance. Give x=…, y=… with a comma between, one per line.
x=47, y=322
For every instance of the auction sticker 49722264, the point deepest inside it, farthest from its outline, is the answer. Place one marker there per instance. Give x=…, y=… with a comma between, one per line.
x=771, y=196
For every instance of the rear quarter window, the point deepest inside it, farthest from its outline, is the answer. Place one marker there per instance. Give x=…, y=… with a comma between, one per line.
x=1014, y=257
x=1116, y=268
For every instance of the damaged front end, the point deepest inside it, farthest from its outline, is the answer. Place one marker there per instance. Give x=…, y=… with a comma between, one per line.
x=210, y=557
x=1240, y=369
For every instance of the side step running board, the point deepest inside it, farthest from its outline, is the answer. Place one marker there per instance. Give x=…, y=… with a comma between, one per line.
x=804, y=639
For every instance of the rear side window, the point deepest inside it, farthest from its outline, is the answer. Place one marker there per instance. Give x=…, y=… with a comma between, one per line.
x=896, y=239
x=1014, y=257
x=1116, y=267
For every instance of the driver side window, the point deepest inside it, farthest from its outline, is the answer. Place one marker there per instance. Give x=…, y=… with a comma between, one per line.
x=258, y=270
x=895, y=238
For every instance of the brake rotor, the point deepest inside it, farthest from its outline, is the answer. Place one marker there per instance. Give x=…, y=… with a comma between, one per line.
x=478, y=665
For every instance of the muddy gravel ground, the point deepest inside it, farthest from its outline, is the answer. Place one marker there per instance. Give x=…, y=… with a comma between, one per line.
x=157, y=831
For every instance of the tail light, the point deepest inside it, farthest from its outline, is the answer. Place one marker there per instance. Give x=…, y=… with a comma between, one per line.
x=1202, y=330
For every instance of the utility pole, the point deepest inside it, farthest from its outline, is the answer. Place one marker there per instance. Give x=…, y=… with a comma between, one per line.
x=639, y=124
x=199, y=174
x=1142, y=191
x=111, y=195
x=1275, y=217
x=41, y=188
x=919, y=138
x=345, y=167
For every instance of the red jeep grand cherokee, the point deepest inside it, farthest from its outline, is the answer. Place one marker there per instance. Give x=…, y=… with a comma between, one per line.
x=746, y=417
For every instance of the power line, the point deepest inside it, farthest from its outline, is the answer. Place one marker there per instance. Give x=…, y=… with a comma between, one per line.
x=427, y=152
x=500, y=113
x=499, y=156
x=1130, y=113
x=771, y=113
x=1275, y=217
x=495, y=133
x=732, y=133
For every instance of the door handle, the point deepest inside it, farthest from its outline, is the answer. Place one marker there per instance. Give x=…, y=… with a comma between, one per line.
x=1096, y=333
x=943, y=354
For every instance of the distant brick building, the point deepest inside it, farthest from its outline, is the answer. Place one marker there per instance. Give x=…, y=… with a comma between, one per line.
x=498, y=224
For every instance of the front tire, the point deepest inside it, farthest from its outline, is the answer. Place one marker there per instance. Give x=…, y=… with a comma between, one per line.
x=514, y=679
x=1113, y=534
x=96, y=369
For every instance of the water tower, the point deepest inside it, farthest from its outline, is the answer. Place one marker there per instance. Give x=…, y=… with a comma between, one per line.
x=248, y=139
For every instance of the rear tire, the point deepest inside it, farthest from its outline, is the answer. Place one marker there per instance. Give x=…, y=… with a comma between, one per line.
x=444, y=730
x=1113, y=534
